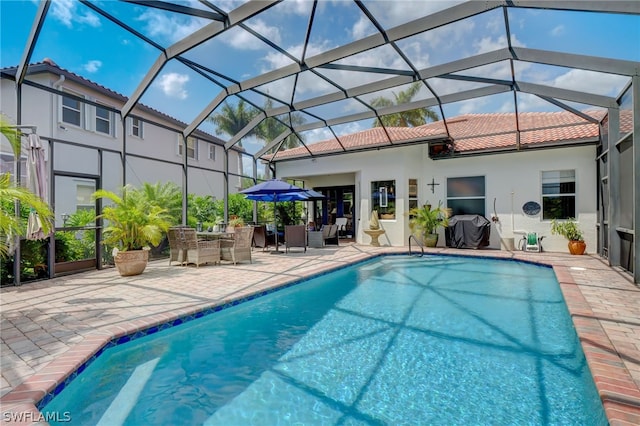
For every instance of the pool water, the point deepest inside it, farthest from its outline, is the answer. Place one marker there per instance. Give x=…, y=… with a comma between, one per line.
x=395, y=341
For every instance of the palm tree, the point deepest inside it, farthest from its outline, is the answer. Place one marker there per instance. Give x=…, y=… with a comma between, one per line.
x=413, y=118
x=271, y=128
x=231, y=120
x=10, y=225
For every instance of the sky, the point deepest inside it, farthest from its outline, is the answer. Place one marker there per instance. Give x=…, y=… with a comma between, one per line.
x=80, y=40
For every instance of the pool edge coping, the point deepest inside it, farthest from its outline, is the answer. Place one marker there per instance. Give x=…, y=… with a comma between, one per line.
x=618, y=392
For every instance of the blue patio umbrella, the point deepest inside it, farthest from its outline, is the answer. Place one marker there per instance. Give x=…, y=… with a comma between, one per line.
x=274, y=190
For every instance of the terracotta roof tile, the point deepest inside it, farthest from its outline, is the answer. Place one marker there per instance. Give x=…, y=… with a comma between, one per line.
x=471, y=132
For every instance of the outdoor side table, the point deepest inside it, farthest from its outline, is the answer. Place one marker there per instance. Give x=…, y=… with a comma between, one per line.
x=314, y=239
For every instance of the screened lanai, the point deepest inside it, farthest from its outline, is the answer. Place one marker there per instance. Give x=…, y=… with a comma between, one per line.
x=299, y=75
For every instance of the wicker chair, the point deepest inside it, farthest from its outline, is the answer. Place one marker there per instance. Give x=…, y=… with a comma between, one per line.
x=238, y=248
x=176, y=245
x=295, y=236
x=261, y=238
x=330, y=234
x=199, y=252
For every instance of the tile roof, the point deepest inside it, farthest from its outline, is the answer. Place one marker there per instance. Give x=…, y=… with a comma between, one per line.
x=48, y=65
x=470, y=132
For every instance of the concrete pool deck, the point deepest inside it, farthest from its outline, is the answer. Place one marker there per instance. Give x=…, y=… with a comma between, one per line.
x=51, y=327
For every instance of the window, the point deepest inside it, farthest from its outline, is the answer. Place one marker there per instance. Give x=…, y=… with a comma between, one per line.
x=71, y=111
x=413, y=193
x=383, y=198
x=103, y=120
x=466, y=195
x=136, y=127
x=558, y=194
x=192, y=147
x=83, y=195
x=212, y=151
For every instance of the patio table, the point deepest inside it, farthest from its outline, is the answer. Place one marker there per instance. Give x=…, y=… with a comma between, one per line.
x=207, y=235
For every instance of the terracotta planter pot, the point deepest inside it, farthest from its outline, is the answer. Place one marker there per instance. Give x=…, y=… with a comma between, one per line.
x=131, y=262
x=577, y=247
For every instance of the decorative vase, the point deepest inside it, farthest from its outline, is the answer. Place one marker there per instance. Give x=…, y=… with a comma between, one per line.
x=577, y=247
x=430, y=240
x=132, y=262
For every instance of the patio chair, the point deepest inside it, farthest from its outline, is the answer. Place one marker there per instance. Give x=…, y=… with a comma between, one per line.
x=261, y=237
x=343, y=227
x=330, y=234
x=238, y=248
x=295, y=236
x=200, y=251
x=176, y=245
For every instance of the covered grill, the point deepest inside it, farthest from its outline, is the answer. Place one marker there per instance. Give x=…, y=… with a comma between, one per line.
x=468, y=231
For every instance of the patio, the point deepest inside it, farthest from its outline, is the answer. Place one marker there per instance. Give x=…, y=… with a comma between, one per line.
x=51, y=327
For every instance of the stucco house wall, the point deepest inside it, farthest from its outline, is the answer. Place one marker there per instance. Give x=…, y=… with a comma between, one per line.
x=511, y=179
x=43, y=109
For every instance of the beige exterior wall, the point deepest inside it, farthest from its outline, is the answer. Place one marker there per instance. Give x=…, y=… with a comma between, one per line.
x=44, y=110
x=511, y=179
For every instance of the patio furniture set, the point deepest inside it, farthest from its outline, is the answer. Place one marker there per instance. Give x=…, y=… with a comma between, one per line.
x=187, y=246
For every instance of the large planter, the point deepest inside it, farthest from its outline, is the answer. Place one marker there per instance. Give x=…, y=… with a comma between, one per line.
x=132, y=262
x=430, y=240
x=577, y=247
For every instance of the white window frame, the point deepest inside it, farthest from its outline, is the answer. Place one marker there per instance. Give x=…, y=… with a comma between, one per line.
x=212, y=152
x=192, y=152
x=562, y=178
x=81, y=110
x=91, y=185
x=109, y=120
x=482, y=198
x=133, y=126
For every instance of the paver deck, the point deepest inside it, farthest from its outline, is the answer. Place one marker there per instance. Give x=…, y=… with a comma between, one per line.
x=50, y=327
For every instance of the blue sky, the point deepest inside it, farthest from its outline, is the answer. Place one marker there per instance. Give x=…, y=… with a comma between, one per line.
x=80, y=40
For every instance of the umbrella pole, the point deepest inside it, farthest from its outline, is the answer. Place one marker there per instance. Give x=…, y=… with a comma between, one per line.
x=275, y=223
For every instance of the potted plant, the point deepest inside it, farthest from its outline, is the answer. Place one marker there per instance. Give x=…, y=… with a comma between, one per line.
x=570, y=230
x=134, y=223
x=424, y=223
x=236, y=222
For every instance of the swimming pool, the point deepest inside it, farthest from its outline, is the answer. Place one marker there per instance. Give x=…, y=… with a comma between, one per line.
x=398, y=340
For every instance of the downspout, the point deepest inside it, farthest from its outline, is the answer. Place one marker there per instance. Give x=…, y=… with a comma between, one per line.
x=54, y=108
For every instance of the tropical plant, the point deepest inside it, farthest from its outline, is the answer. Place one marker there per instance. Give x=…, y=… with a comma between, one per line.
x=271, y=128
x=133, y=222
x=202, y=209
x=230, y=120
x=74, y=244
x=569, y=229
x=167, y=195
x=412, y=118
x=10, y=225
x=426, y=220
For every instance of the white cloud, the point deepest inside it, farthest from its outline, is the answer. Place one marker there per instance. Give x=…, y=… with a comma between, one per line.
x=361, y=28
x=171, y=28
x=66, y=11
x=92, y=66
x=243, y=40
x=173, y=85
x=557, y=31
x=590, y=82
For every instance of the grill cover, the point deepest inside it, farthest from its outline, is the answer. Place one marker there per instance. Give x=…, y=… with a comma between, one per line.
x=468, y=231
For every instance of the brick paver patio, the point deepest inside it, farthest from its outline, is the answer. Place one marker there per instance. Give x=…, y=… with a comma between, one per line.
x=51, y=327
